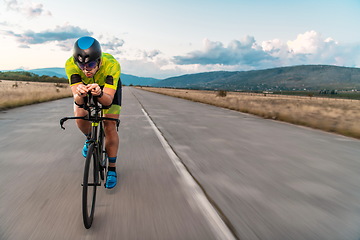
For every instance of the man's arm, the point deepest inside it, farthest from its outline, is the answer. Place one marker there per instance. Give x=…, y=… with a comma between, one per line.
x=107, y=98
x=79, y=92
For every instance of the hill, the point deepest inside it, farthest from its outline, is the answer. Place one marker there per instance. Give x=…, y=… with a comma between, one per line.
x=125, y=78
x=21, y=75
x=58, y=72
x=305, y=77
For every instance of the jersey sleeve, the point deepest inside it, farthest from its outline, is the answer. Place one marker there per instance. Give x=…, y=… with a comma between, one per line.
x=72, y=72
x=112, y=74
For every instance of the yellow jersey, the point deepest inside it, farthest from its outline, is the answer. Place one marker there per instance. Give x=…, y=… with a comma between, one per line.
x=107, y=75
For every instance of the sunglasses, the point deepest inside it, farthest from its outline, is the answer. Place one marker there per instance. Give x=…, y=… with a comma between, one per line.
x=88, y=66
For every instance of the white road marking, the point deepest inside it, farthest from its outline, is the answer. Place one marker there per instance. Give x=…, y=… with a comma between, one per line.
x=218, y=226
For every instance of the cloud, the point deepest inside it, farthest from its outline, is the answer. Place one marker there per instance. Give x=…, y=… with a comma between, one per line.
x=4, y=23
x=312, y=48
x=243, y=52
x=12, y=5
x=151, y=54
x=158, y=69
x=24, y=46
x=307, y=43
x=64, y=37
x=59, y=34
x=37, y=10
x=149, y=63
x=29, y=9
x=308, y=48
x=66, y=45
x=112, y=45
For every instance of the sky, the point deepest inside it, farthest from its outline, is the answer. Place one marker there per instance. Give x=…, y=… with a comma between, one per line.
x=163, y=39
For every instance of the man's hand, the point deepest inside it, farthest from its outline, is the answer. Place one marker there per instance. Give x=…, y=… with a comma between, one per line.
x=94, y=89
x=82, y=90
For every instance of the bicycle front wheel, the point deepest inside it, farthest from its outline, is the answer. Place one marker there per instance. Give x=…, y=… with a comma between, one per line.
x=102, y=152
x=90, y=182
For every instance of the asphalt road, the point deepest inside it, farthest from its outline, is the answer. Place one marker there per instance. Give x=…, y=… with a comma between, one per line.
x=187, y=171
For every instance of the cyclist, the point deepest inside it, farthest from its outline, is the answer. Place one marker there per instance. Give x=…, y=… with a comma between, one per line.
x=89, y=69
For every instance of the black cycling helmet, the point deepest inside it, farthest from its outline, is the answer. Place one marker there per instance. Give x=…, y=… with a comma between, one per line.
x=86, y=49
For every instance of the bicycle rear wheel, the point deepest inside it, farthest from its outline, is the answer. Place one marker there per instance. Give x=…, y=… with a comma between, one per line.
x=90, y=182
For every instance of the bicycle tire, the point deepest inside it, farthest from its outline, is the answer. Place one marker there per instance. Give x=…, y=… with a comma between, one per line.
x=90, y=182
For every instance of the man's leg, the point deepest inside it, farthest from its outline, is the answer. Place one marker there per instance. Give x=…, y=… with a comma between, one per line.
x=83, y=125
x=111, y=146
x=112, y=137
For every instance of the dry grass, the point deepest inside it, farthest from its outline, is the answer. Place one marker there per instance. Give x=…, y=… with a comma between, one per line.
x=15, y=93
x=334, y=115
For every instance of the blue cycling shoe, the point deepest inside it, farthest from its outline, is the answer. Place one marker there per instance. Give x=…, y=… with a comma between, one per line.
x=111, y=179
x=85, y=148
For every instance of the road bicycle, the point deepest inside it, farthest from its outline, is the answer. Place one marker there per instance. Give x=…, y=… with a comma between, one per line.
x=96, y=159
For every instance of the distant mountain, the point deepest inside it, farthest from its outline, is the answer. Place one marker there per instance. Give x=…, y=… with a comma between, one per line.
x=58, y=72
x=125, y=78
x=309, y=77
